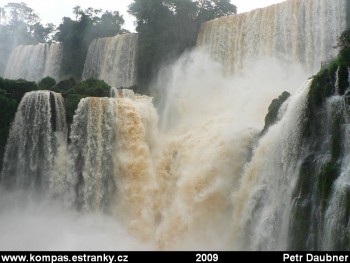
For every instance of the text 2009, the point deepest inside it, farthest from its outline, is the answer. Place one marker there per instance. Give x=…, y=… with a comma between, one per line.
x=202, y=257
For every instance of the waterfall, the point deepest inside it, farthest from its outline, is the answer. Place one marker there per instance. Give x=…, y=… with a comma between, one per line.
x=337, y=81
x=113, y=59
x=92, y=146
x=294, y=192
x=109, y=138
x=34, y=62
x=121, y=93
x=295, y=31
x=33, y=143
x=209, y=124
x=262, y=203
x=53, y=61
x=335, y=227
x=136, y=128
x=208, y=179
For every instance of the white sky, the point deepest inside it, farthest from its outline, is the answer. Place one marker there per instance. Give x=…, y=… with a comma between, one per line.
x=52, y=11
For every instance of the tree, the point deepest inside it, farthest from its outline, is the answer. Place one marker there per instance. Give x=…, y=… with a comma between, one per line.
x=8, y=108
x=211, y=9
x=71, y=33
x=168, y=27
x=76, y=36
x=106, y=25
x=47, y=83
x=19, y=25
x=343, y=40
x=20, y=12
x=42, y=34
x=155, y=25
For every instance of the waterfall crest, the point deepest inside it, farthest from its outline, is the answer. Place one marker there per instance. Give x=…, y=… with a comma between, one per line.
x=208, y=179
x=92, y=145
x=34, y=62
x=113, y=59
x=35, y=136
x=297, y=31
x=262, y=203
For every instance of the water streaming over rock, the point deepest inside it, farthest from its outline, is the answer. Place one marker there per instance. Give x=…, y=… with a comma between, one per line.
x=92, y=146
x=35, y=137
x=111, y=143
x=206, y=179
x=113, y=59
x=34, y=62
x=262, y=204
x=301, y=31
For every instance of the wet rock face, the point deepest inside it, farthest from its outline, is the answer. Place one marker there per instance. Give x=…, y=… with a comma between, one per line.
x=272, y=115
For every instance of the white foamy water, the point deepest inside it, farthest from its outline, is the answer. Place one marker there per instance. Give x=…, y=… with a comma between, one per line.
x=34, y=62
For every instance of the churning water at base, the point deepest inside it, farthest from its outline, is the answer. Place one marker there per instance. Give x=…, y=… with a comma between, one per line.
x=47, y=226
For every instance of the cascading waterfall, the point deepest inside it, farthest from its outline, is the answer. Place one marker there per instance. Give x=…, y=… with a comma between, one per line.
x=335, y=234
x=113, y=59
x=319, y=189
x=208, y=179
x=293, y=194
x=262, y=204
x=110, y=144
x=92, y=146
x=35, y=136
x=299, y=31
x=34, y=62
x=27, y=62
x=135, y=171
x=53, y=61
x=207, y=123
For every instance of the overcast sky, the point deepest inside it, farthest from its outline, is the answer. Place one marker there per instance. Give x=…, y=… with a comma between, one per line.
x=52, y=11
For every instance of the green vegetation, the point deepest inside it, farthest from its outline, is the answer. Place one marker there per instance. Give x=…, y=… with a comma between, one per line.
x=76, y=36
x=65, y=85
x=91, y=87
x=323, y=85
x=272, y=115
x=8, y=108
x=15, y=89
x=72, y=102
x=327, y=176
x=348, y=14
x=88, y=88
x=302, y=207
x=167, y=28
x=11, y=93
x=47, y=83
x=322, y=138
